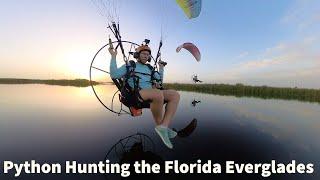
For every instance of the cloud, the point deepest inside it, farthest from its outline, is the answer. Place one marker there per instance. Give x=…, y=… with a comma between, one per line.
x=291, y=61
x=279, y=47
x=303, y=14
x=285, y=64
x=286, y=54
x=243, y=54
x=259, y=63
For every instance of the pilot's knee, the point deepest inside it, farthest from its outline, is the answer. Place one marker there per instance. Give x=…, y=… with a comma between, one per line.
x=158, y=96
x=176, y=96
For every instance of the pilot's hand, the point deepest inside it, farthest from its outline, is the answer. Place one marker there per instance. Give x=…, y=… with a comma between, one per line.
x=156, y=86
x=113, y=52
x=162, y=64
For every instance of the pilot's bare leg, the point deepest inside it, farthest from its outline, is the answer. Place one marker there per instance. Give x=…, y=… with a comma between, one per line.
x=173, y=98
x=156, y=106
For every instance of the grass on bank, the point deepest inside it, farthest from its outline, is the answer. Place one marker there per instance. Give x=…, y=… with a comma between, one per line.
x=60, y=82
x=240, y=90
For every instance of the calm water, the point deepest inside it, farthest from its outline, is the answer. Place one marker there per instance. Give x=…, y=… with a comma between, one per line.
x=55, y=124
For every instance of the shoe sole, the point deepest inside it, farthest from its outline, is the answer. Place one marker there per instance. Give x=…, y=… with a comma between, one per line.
x=164, y=142
x=171, y=137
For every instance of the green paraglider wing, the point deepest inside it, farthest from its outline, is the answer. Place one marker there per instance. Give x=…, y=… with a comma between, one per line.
x=191, y=8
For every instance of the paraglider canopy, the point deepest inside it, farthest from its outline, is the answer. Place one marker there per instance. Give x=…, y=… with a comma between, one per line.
x=192, y=49
x=191, y=8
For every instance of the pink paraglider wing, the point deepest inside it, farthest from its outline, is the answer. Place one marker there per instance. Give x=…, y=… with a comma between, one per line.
x=179, y=48
x=192, y=49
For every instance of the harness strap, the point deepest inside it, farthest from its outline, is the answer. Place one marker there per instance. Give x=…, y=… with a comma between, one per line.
x=131, y=94
x=137, y=72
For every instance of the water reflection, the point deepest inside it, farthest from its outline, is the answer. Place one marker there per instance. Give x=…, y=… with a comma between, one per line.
x=195, y=102
x=188, y=130
x=55, y=124
x=135, y=147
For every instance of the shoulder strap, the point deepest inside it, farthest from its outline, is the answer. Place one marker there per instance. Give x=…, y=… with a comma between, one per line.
x=132, y=65
x=130, y=73
x=150, y=67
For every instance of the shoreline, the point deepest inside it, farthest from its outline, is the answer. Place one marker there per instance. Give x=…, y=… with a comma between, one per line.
x=237, y=90
x=59, y=82
x=240, y=90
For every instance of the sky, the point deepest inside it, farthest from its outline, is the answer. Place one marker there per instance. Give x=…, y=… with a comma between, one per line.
x=273, y=43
